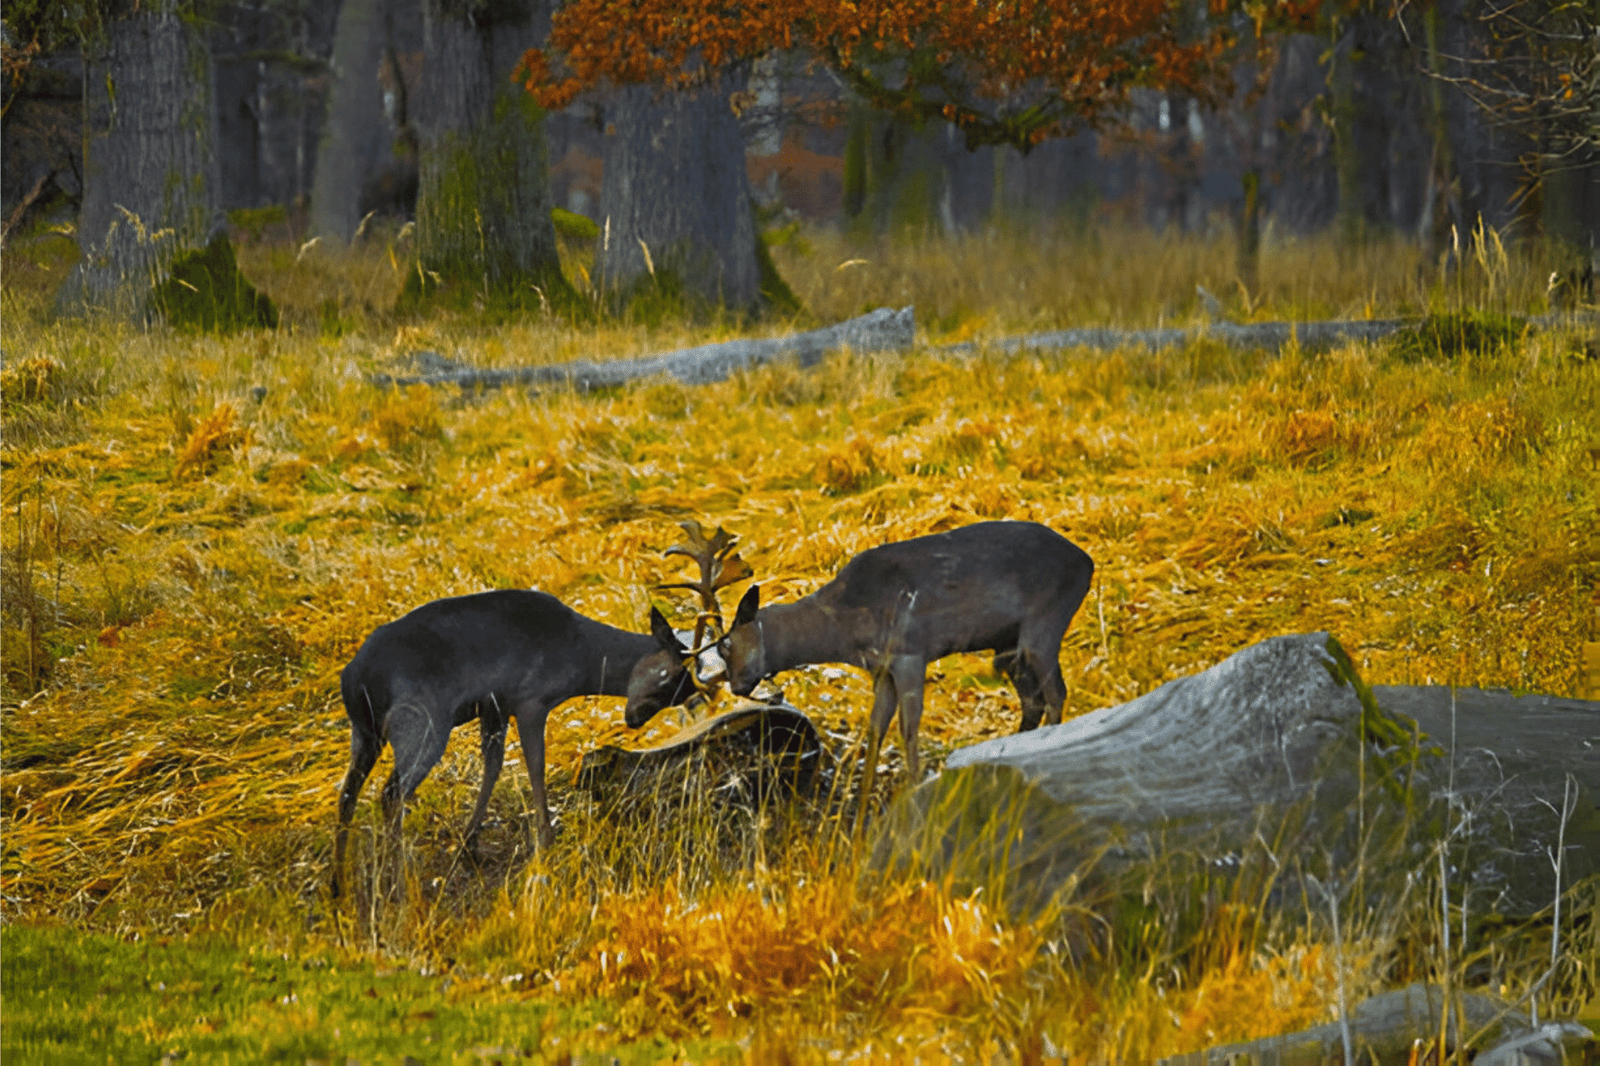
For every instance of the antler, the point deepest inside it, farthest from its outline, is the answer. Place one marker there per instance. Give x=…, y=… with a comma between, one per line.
x=720, y=566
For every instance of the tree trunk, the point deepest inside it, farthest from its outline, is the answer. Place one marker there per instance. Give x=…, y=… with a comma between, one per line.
x=1439, y=208
x=856, y=148
x=354, y=133
x=1249, y=231
x=675, y=201
x=1346, y=151
x=484, y=235
x=1570, y=209
x=150, y=165
x=270, y=59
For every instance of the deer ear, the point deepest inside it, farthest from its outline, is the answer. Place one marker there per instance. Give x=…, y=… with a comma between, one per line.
x=748, y=607
x=664, y=634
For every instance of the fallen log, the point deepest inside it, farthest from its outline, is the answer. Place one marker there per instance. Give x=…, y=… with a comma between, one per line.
x=1264, y=336
x=1278, y=764
x=885, y=330
x=880, y=330
x=1270, y=336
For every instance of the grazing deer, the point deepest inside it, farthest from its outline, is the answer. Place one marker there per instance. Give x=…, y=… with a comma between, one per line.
x=1012, y=587
x=493, y=656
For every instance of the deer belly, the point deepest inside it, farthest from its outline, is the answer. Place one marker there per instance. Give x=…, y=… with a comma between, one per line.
x=972, y=635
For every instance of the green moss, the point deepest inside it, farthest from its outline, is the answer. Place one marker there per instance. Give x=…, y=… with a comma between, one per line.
x=779, y=298
x=81, y=997
x=427, y=291
x=204, y=291
x=855, y=167
x=658, y=297
x=914, y=206
x=464, y=266
x=1450, y=336
x=331, y=319
x=573, y=226
x=255, y=220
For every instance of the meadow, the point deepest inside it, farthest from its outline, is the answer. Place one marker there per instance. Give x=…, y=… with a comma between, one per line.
x=199, y=531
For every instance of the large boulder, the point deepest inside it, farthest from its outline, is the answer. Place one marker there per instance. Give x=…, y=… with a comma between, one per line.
x=1278, y=762
x=1389, y=1029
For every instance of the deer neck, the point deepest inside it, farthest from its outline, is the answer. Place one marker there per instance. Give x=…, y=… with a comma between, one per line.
x=613, y=653
x=803, y=632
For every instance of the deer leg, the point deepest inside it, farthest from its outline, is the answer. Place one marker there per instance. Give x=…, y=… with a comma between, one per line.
x=910, y=674
x=531, y=720
x=418, y=740
x=1042, y=691
x=492, y=725
x=884, y=703
x=1026, y=681
x=1053, y=691
x=364, y=748
x=1037, y=673
x=1005, y=663
x=1008, y=664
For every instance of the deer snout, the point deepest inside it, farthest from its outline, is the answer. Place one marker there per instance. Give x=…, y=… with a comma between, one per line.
x=744, y=684
x=643, y=706
x=638, y=713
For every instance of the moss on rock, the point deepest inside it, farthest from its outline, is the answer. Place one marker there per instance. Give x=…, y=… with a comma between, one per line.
x=1450, y=336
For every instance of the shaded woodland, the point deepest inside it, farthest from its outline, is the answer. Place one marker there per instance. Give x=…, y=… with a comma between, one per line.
x=325, y=117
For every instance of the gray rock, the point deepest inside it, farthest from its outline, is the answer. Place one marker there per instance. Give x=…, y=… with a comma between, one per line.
x=1278, y=760
x=1382, y=1029
x=1553, y=1044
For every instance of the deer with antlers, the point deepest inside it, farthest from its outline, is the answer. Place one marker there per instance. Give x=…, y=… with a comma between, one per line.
x=660, y=675
x=1007, y=587
x=491, y=656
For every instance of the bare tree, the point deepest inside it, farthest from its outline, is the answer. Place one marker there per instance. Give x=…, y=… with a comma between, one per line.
x=1532, y=68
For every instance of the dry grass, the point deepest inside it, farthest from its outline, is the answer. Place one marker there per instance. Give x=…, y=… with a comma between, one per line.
x=198, y=533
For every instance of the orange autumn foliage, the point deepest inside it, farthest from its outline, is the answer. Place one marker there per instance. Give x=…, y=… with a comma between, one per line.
x=1013, y=73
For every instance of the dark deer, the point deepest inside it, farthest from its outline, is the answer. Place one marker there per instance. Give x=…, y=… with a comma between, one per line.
x=492, y=656
x=1010, y=587
x=665, y=671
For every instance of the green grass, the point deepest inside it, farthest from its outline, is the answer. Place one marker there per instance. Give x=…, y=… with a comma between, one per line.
x=78, y=997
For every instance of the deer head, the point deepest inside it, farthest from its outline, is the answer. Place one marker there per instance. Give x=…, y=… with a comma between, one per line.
x=660, y=678
x=745, y=646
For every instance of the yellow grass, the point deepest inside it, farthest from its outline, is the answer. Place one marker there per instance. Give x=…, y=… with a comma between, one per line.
x=198, y=533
